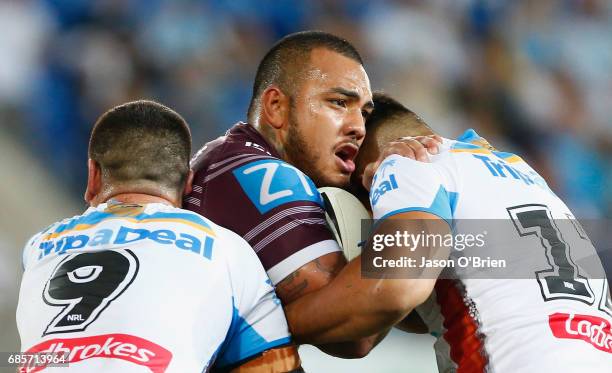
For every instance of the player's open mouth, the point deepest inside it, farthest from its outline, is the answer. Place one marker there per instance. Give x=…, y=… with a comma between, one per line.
x=345, y=155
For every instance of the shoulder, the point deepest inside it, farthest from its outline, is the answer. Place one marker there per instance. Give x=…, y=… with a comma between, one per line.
x=266, y=181
x=402, y=185
x=417, y=172
x=443, y=169
x=272, y=182
x=223, y=234
x=182, y=216
x=36, y=240
x=239, y=142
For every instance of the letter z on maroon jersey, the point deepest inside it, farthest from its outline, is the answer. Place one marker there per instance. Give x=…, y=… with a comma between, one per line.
x=242, y=184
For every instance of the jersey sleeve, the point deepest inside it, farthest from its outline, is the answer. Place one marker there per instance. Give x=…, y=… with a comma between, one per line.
x=258, y=321
x=274, y=206
x=403, y=185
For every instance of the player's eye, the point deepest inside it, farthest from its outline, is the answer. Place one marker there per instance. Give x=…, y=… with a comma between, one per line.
x=365, y=114
x=338, y=102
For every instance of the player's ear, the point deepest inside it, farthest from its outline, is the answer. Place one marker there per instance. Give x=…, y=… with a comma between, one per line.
x=94, y=180
x=275, y=107
x=188, y=183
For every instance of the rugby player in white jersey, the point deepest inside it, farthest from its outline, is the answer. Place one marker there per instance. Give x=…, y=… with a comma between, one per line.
x=136, y=283
x=553, y=315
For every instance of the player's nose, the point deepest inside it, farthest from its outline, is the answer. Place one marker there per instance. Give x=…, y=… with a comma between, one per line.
x=354, y=126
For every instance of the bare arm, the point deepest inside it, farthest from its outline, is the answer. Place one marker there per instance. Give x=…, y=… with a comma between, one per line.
x=312, y=277
x=352, y=307
x=319, y=273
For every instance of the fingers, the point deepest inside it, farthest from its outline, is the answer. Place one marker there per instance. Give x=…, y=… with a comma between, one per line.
x=368, y=174
x=406, y=147
x=417, y=148
x=431, y=143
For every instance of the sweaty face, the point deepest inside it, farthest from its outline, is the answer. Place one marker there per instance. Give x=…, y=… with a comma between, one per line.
x=327, y=118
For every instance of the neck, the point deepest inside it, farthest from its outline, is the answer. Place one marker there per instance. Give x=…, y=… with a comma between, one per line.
x=271, y=137
x=140, y=198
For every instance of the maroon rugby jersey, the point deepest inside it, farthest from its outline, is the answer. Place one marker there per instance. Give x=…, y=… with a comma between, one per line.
x=242, y=184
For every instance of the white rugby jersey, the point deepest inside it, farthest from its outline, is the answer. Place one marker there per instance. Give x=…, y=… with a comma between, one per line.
x=146, y=288
x=532, y=323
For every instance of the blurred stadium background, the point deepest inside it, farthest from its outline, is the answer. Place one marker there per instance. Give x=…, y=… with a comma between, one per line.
x=534, y=77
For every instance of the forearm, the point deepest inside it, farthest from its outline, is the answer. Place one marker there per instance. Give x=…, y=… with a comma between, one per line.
x=311, y=278
x=349, y=308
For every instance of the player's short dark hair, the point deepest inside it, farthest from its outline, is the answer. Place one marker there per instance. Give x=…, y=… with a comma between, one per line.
x=142, y=141
x=290, y=55
x=389, y=110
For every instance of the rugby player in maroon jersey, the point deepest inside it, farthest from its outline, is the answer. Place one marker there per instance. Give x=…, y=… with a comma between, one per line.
x=306, y=121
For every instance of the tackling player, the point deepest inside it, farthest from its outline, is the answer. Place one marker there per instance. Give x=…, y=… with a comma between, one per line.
x=560, y=320
x=138, y=283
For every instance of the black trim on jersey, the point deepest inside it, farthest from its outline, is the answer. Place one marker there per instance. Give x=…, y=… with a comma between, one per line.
x=329, y=210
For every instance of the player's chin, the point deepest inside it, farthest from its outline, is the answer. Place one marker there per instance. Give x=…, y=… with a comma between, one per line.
x=337, y=179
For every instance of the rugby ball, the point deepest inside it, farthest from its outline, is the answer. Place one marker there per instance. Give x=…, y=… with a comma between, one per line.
x=344, y=213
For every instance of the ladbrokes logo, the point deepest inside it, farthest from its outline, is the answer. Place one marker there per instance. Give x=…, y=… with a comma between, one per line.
x=115, y=346
x=592, y=329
